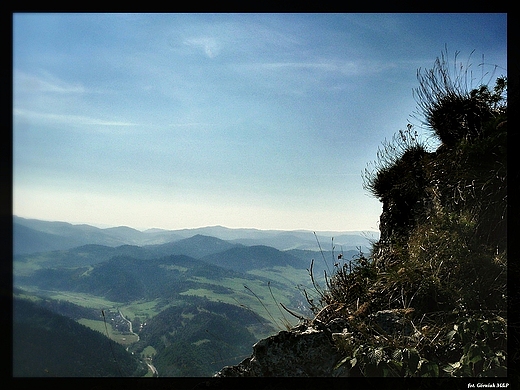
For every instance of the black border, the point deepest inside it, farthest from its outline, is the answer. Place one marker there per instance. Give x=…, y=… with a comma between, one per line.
x=513, y=378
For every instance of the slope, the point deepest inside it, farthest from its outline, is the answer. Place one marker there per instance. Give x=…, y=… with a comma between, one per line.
x=243, y=259
x=49, y=345
x=197, y=246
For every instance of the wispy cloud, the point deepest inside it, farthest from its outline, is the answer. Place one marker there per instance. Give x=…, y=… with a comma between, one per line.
x=35, y=94
x=25, y=82
x=209, y=45
x=340, y=67
x=190, y=124
x=67, y=119
x=346, y=68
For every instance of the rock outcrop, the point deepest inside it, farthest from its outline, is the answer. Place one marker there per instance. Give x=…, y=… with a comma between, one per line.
x=304, y=351
x=309, y=349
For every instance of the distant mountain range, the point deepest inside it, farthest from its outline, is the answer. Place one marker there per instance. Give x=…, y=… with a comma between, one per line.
x=199, y=298
x=32, y=236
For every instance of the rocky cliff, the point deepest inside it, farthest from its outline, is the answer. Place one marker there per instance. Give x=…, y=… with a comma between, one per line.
x=311, y=348
x=430, y=299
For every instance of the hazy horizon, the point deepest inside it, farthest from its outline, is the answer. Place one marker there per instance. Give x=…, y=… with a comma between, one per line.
x=142, y=229
x=261, y=121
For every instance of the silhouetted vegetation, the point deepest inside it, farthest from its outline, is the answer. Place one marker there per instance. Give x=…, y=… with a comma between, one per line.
x=441, y=261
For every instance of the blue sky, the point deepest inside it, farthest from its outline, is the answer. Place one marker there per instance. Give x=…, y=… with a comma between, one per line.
x=242, y=120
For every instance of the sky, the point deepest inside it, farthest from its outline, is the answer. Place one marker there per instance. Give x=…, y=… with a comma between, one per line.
x=260, y=121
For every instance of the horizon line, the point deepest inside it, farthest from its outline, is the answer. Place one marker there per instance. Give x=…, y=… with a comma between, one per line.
x=103, y=226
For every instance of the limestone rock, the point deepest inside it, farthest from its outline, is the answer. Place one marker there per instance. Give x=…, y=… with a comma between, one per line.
x=309, y=350
x=302, y=352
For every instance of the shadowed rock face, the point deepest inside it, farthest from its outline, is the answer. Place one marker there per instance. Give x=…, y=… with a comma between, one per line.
x=308, y=350
x=302, y=352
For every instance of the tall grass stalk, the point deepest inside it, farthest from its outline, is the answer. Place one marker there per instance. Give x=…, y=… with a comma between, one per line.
x=285, y=321
x=264, y=306
x=321, y=251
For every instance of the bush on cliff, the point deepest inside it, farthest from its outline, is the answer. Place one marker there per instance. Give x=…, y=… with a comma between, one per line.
x=441, y=260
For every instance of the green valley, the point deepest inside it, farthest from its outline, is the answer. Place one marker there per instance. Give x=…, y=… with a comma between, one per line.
x=185, y=308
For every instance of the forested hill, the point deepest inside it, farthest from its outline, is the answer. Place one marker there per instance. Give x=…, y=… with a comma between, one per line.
x=46, y=344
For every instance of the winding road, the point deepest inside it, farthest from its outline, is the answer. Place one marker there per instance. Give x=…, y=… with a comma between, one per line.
x=129, y=324
x=148, y=361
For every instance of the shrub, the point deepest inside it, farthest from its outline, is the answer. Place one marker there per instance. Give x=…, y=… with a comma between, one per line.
x=449, y=105
x=442, y=254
